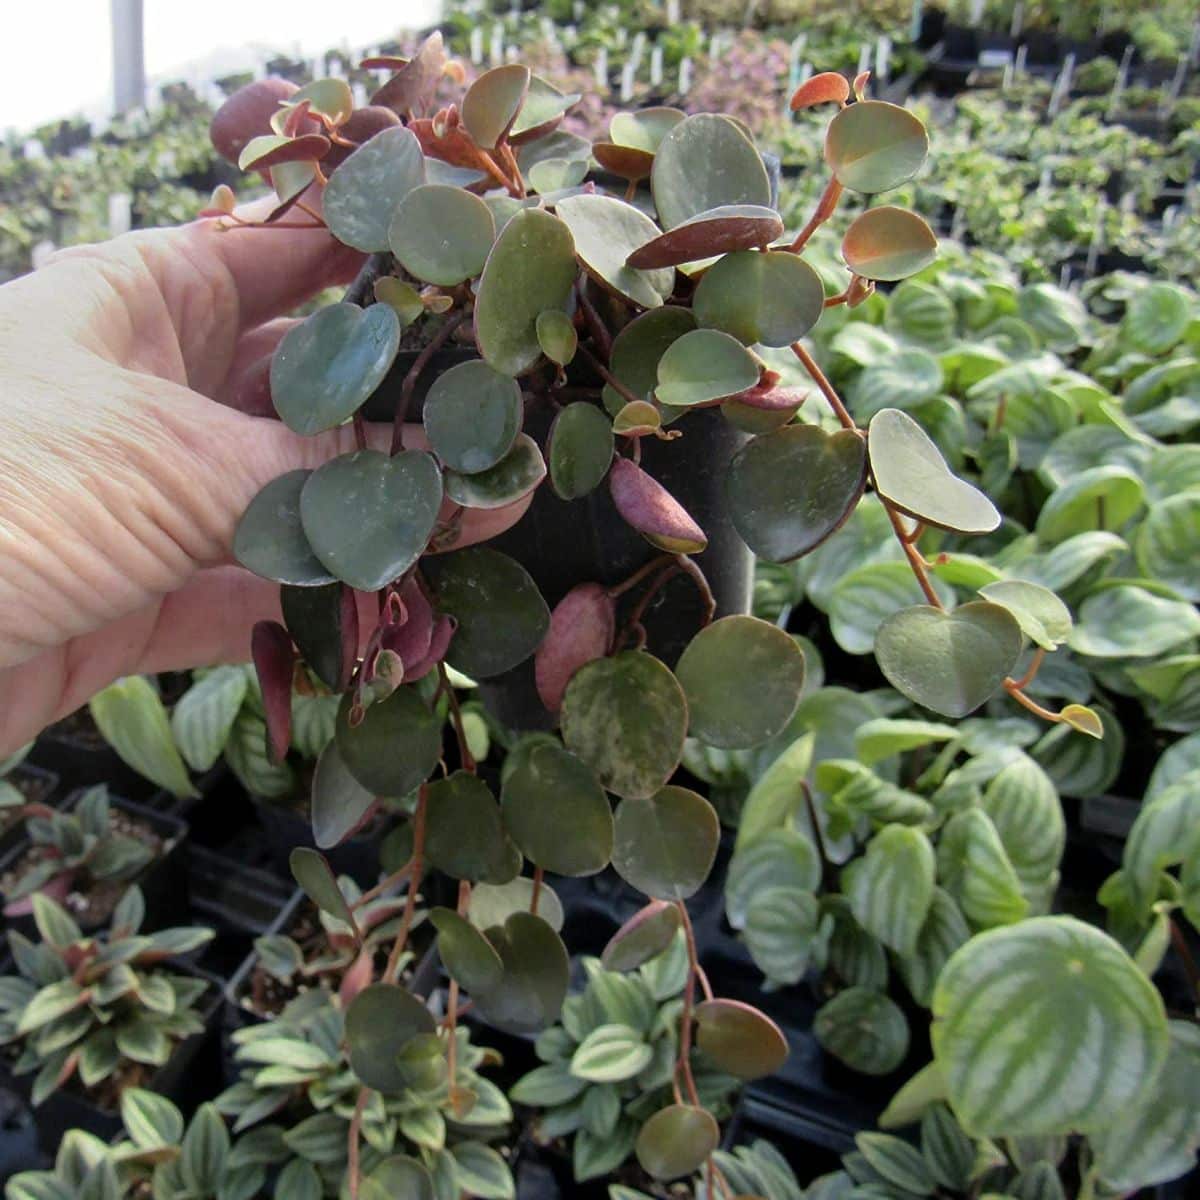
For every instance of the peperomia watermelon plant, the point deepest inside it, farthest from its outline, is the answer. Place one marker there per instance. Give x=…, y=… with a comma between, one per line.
x=504, y=284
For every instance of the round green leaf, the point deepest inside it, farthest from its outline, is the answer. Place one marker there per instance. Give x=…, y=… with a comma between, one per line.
x=556, y=335
x=606, y=232
x=1097, y=499
x=325, y=367
x=380, y=1021
x=888, y=243
x=950, y=662
x=270, y=538
x=773, y=298
x=530, y=269
x=580, y=450
x=362, y=194
x=472, y=416
x=368, y=516
x=500, y=613
x=442, y=234
x=873, y=146
x=676, y=1141
x=1168, y=543
x=1157, y=318
x=890, y=888
x=644, y=128
x=705, y=162
x=510, y=480
x=742, y=678
x=531, y=992
x=493, y=904
x=1131, y=622
x=400, y=1178
x=396, y=745
x=644, y=936
x=492, y=102
x=1043, y=617
x=464, y=835
x=467, y=955
x=557, y=813
x=316, y=879
x=665, y=845
x=544, y=104
x=340, y=803
x=702, y=366
x=909, y=471
x=865, y=1029
x=717, y=231
x=626, y=717
x=741, y=1040
x=1045, y=1027
x=789, y=490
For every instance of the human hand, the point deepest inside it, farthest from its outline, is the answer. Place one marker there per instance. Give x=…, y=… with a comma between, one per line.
x=126, y=459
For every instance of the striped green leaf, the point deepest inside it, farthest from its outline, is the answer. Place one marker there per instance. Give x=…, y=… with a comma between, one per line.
x=856, y=956
x=886, y=737
x=205, y=713
x=976, y=871
x=865, y=1029
x=611, y=1054
x=774, y=797
x=900, y=1164
x=246, y=754
x=1046, y=1027
x=944, y=930
x=948, y=1151
x=855, y=791
x=1027, y=813
x=1158, y=1139
x=891, y=887
x=784, y=859
x=784, y=933
x=1165, y=833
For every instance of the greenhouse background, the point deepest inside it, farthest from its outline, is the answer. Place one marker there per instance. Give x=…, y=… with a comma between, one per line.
x=728, y=723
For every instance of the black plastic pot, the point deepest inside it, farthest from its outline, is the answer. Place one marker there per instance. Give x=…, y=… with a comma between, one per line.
x=38, y=786
x=75, y=751
x=164, y=882
x=188, y=1078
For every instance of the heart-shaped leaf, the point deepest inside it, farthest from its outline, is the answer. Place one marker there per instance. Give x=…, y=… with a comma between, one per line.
x=702, y=366
x=909, y=471
x=1093, y=1030
x=557, y=813
x=492, y=103
x=742, y=678
x=368, y=516
x=706, y=161
x=950, y=662
x=500, y=613
x=790, y=490
x=442, y=234
x=890, y=888
x=644, y=936
x=340, y=804
x=1043, y=617
x=626, y=717
x=396, y=745
x=270, y=538
x=637, y=349
x=510, y=480
x=323, y=622
x=464, y=834
x=580, y=450
x=325, y=367
x=739, y=1039
x=773, y=298
x=557, y=337
x=312, y=873
x=676, y=1141
x=531, y=992
x=649, y=508
x=380, y=1022
x=873, y=146
x=472, y=416
x=606, y=232
x=665, y=844
x=888, y=243
x=582, y=625
x=466, y=954
x=362, y=194
x=717, y=231
x=530, y=269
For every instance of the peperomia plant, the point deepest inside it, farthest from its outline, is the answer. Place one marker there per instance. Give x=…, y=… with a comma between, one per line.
x=559, y=296
x=608, y=1063
x=104, y=1011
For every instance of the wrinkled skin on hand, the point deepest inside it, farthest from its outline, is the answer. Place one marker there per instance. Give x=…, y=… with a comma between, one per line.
x=128, y=375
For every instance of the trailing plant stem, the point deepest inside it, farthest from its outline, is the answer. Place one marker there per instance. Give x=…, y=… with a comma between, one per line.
x=382, y=886
x=825, y=209
x=827, y=389
x=609, y=378
x=916, y=560
x=464, y=751
x=438, y=340
x=683, y=1065
x=352, y=1146
x=410, y=901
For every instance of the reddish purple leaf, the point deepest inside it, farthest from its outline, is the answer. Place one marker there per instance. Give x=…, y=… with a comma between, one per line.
x=363, y=124
x=717, y=231
x=57, y=888
x=412, y=87
x=453, y=145
x=772, y=399
x=649, y=508
x=357, y=977
x=443, y=631
x=626, y=161
x=247, y=113
x=581, y=629
x=411, y=635
x=826, y=88
x=275, y=661
x=308, y=147
x=348, y=624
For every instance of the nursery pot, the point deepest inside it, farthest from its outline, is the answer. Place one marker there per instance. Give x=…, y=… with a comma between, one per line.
x=38, y=786
x=75, y=750
x=285, y=829
x=163, y=881
x=188, y=1078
